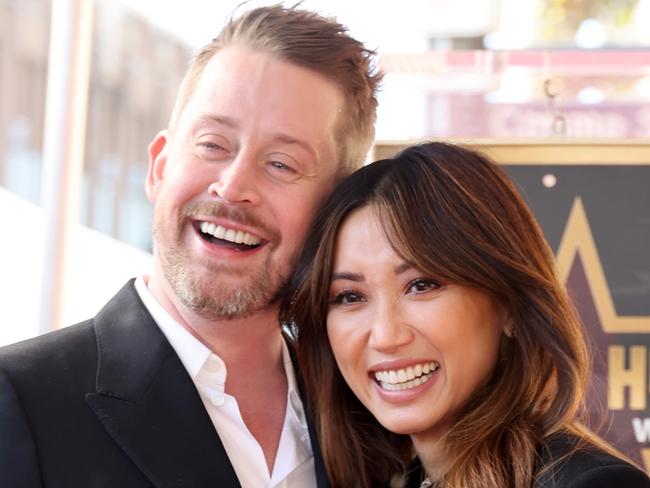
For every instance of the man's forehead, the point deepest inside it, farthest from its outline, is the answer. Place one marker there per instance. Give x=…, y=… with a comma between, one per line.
x=243, y=89
x=247, y=67
x=297, y=98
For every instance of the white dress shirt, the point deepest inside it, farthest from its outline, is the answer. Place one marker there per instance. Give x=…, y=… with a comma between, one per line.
x=294, y=462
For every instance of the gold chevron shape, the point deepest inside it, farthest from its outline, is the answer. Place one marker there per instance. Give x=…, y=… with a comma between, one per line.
x=578, y=239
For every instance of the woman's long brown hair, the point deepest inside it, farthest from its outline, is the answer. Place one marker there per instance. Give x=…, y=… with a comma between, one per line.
x=450, y=212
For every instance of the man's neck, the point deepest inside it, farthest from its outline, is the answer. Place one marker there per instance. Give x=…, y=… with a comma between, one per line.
x=251, y=348
x=255, y=338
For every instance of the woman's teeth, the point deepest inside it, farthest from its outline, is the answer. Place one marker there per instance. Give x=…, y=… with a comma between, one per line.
x=231, y=235
x=402, y=379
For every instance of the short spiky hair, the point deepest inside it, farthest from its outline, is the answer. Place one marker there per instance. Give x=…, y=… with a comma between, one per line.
x=314, y=42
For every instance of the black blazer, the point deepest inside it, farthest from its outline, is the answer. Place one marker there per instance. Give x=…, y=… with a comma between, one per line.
x=561, y=467
x=587, y=467
x=108, y=403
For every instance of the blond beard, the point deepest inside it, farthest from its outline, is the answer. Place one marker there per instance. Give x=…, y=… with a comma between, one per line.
x=210, y=295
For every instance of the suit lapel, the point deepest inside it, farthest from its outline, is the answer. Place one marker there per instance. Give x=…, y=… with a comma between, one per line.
x=322, y=481
x=148, y=403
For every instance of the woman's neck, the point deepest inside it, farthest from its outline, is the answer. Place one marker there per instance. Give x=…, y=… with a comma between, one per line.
x=432, y=455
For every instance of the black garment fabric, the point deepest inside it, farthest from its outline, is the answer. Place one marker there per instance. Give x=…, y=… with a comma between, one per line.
x=561, y=466
x=108, y=403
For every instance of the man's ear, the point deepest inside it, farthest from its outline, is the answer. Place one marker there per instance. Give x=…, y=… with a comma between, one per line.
x=157, y=162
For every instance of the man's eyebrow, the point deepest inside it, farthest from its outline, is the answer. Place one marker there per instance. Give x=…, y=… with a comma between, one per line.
x=279, y=137
x=344, y=275
x=220, y=119
x=287, y=139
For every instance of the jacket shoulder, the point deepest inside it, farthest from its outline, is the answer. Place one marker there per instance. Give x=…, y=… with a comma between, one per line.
x=64, y=350
x=49, y=350
x=566, y=463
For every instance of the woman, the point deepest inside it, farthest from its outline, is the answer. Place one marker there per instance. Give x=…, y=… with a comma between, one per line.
x=428, y=282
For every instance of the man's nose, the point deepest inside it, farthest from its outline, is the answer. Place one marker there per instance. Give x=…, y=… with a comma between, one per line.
x=390, y=330
x=237, y=182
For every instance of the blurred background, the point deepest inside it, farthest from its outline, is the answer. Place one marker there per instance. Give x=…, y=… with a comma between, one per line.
x=467, y=69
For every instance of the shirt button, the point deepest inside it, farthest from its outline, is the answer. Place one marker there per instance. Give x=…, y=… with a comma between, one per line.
x=217, y=399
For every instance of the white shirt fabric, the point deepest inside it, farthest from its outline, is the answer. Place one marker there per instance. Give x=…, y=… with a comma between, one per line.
x=294, y=461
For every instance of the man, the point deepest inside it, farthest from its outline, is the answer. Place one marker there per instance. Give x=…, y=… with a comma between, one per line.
x=184, y=379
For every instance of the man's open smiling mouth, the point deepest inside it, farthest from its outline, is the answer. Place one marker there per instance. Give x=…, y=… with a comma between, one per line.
x=224, y=236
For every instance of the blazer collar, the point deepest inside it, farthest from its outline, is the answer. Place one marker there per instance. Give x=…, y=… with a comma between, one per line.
x=148, y=403
x=322, y=481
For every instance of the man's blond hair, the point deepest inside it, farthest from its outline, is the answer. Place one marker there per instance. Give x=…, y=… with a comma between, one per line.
x=314, y=42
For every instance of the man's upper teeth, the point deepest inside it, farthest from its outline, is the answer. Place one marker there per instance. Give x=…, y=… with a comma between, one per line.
x=395, y=376
x=232, y=235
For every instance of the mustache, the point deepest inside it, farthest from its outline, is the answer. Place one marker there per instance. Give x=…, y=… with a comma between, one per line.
x=234, y=214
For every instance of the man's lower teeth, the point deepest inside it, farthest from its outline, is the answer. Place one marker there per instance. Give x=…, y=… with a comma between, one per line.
x=224, y=242
x=406, y=385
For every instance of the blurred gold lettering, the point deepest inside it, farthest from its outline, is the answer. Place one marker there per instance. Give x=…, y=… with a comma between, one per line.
x=634, y=377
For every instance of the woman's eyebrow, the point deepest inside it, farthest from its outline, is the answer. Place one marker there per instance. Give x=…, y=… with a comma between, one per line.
x=344, y=275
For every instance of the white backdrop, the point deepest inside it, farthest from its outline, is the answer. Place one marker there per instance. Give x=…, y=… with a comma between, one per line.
x=98, y=267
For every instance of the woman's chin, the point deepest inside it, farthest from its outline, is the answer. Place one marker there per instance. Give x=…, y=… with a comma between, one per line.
x=412, y=427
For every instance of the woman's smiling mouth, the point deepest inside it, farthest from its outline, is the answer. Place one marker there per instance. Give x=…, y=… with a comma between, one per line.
x=405, y=378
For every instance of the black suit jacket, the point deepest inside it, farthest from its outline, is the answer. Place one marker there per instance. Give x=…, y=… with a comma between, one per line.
x=561, y=466
x=586, y=467
x=108, y=403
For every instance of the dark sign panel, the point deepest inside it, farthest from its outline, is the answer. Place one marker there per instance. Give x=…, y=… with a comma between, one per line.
x=597, y=220
x=592, y=198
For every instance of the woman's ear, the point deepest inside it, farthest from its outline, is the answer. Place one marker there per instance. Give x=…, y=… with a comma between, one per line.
x=508, y=326
x=507, y=343
x=157, y=162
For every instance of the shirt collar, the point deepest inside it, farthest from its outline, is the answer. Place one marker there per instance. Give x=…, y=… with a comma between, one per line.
x=192, y=352
x=294, y=401
x=195, y=355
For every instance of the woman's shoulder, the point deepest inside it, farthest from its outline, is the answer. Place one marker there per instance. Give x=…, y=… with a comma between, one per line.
x=566, y=462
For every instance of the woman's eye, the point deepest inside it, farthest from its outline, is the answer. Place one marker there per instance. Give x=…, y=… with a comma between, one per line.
x=346, y=298
x=422, y=285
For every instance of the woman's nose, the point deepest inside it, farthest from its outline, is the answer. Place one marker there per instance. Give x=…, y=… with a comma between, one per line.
x=390, y=330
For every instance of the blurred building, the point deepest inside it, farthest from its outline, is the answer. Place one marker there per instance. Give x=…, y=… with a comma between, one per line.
x=516, y=94
x=24, y=36
x=136, y=69
x=441, y=82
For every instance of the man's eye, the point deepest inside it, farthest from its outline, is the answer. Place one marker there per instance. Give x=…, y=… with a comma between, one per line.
x=421, y=285
x=346, y=298
x=211, y=146
x=211, y=151
x=281, y=166
x=283, y=170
